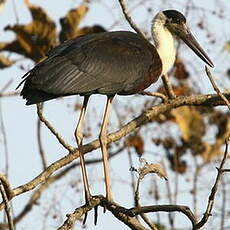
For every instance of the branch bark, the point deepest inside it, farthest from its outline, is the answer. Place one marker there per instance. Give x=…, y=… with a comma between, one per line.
x=212, y=195
x=127, y=216
x=147, y=116
x=4, y=190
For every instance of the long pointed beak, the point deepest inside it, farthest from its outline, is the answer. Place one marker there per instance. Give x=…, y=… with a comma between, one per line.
x=190, y=40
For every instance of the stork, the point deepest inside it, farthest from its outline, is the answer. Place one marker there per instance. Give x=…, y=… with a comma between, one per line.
x=108, y=63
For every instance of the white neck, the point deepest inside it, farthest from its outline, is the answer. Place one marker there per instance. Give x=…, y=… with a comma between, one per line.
x=164, y=43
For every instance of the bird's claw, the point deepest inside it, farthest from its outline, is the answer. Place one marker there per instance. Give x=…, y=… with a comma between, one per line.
x=89, y=202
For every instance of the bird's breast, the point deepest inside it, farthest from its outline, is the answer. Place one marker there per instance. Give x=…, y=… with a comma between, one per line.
x=165, y=47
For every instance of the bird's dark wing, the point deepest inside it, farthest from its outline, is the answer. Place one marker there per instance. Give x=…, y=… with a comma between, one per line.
x=107, y=63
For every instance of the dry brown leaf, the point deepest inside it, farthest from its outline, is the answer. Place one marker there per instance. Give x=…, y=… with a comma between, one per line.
x=70, y=23
x=136, y=142
x=5, y=62
x=90, y=30
x=190, y=122
x=214, y=150
x=183, y=89
x=152, y=168
x=227, y=46
x=177, y=164
x=35, y=39
x=181, y=72
x=167, y=142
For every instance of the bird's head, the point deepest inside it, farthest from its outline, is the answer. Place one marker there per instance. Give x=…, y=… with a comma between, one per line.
x=175, y=23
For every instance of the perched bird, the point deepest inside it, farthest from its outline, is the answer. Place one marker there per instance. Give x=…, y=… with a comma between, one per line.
x=108, y=63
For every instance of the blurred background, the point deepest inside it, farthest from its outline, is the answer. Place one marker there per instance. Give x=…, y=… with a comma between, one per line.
x=188, y=141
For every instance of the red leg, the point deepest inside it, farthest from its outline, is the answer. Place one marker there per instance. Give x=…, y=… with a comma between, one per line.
x=79, y=137
x=103, y=142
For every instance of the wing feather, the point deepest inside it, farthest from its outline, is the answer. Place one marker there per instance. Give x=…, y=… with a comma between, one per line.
x=107, y=63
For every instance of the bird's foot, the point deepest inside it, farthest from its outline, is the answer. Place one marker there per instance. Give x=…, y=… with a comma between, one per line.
x=89, y=201
x=109, y=200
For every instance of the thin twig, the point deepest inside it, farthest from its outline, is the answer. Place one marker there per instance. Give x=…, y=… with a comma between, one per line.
x=173, y=216
x=7, y=85
x=15, y=12
x=9, y=94
x=132, y=174
x=53, y=130
x=156, y=197
x=136, y=197
x=5, y=143
x=216, y=88
x=154, y=94
x=5, y=199
x=6, y=185
x=129, y=19
x=195, y=182
x=148, y=222
x=168, y=86
x=137, y=204
x=131, y=9
x=223, y=208
x=211, y=198
x=128, y=151
x=40, y=147
x=170, y=216
x=225, y=170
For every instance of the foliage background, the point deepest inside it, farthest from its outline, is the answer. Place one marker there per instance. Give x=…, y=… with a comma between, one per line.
x=186, y=141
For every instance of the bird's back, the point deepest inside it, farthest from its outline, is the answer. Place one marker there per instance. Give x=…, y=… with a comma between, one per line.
x=108, y=63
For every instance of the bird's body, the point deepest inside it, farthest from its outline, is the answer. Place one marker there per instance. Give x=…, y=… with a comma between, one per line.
x=108, y=63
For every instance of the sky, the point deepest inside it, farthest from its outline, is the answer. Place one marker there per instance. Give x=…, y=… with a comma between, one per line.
x=20, y=120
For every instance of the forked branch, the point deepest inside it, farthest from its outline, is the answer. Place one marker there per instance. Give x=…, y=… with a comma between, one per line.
x=147, y=116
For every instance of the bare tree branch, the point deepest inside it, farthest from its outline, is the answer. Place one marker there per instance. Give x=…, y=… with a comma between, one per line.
x=39, y=138
x=154, y=94
x=53, y=130
x=170, y=199
x=168, y=86
x=224, y=202
x=118, y=211
x=37, y=194
x=6, y=184
x=125, y=215
x=4, y=190
x=211, y=198
x=129, y=19
x=147, y=116
x=5, y=142
x=78, y=213
x=225, y=170
x=215, y=87
x=164, y=208
x=9, y=94
x=148, y=222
